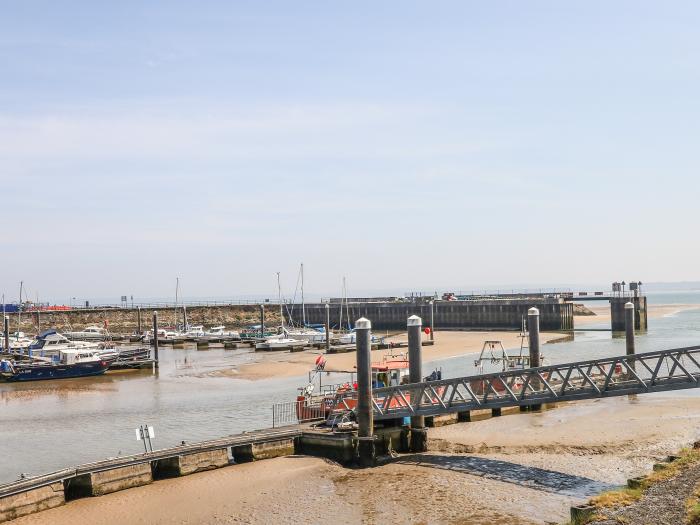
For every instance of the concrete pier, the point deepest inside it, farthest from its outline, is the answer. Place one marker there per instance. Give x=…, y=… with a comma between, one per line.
x=31, y=501
x=107, y=481
x=186, y=464
x=617, y=312
x=258, y=451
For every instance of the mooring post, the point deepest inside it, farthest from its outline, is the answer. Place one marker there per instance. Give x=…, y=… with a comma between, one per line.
x=138, y=321
x=184, y=319
x=419, y=435
x=328, y=328
x=629, y=328
x=262, y=321
x=38, y=322
x=155, y=337
x=365, y=416
x=432, y=320
x=533, y=328
x=6, y=334
x=629, y=336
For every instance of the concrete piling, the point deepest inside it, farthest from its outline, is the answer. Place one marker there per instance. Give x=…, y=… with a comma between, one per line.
x=365, y=416
x=155, y=338
x=533, y=328
x=432, y=320
x=629, y=328
x=419, y=435
x=6, y=334
x=328, y=328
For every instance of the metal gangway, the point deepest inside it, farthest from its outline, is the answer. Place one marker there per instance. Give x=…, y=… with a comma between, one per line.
x=642, y=373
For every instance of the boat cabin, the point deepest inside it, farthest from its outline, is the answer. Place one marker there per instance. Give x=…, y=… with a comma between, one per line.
x=74, y=357
x=390, y=372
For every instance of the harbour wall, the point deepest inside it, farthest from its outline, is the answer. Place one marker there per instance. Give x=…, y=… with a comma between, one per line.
x=448, y=315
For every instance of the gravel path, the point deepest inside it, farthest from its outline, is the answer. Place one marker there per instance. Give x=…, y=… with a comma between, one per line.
x=663, y=504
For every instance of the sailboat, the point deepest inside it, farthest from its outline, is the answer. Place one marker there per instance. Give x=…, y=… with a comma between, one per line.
x=281, y=341
x=305, y=332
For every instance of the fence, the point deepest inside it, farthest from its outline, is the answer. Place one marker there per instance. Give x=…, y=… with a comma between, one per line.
x=295, y=412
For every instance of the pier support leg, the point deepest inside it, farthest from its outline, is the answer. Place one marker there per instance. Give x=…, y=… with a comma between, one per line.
x=365, y=416
x=495, y=412
x=533, y=327
x=432, y=320
x=629, y=328
x=629, y=337
x=155, y=338
x=328, y=327
x=464, y=417
x=419, y=435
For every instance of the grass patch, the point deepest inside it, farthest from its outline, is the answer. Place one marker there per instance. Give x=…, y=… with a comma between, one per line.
x=692, y=508
x=617, y=498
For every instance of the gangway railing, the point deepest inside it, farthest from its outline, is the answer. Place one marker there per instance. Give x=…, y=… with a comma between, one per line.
x=643, y=373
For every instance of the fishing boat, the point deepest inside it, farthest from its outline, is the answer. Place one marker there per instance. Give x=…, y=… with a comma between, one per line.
x=89, y=333
x=392, y=370
x=71, y=364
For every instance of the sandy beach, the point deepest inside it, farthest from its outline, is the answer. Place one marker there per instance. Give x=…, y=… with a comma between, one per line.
x=516, y=469
x=447, y=344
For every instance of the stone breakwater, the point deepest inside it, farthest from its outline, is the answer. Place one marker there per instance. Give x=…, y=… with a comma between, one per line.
x=125, y=320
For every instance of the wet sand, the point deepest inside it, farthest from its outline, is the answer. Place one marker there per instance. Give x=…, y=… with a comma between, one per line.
x=447, y=344
x=516, y=469
x=655, y=311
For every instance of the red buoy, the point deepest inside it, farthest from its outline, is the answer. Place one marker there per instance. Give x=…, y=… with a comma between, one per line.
x=427, y=330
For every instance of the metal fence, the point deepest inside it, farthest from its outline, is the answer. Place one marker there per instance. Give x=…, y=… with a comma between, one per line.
x=295, y=412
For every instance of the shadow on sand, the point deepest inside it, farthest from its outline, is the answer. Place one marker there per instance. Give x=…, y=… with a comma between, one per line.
x=530, y=477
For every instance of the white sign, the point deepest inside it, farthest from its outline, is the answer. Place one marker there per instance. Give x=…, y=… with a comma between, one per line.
x=145, y=432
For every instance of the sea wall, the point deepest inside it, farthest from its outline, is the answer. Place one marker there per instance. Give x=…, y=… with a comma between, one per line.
x=449, y=315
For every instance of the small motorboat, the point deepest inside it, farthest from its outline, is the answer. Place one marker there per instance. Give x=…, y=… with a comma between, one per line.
x=90, y=333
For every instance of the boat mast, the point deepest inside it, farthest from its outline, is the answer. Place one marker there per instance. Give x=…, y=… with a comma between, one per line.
x=303, y=308
x=19, y=312
x=177, y=289
x=279, y=299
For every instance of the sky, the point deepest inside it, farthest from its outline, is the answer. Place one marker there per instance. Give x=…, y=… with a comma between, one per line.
x=405, y=145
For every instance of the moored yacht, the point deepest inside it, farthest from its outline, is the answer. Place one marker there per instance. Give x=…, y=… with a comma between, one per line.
x=90, y=333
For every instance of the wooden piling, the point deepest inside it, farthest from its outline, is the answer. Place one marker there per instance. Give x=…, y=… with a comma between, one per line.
x=155, y=339
x=262, y=321
x=138, y=321
x=432, y=320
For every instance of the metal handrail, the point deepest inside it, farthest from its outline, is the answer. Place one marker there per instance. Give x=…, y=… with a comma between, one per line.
x=648, y=372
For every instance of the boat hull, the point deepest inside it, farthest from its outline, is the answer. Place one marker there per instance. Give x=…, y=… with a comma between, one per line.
x=49, y=372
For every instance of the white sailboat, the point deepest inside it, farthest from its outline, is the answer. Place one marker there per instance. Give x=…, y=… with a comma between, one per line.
x=283, y=339
x=304, y=332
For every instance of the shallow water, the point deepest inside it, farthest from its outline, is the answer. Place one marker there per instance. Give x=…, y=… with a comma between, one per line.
x=48, y=425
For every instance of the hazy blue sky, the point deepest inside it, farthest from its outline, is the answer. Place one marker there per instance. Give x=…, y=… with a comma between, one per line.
x=407, y=145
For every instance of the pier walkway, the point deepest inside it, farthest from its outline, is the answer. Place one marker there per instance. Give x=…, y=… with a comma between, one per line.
x=644, y=373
